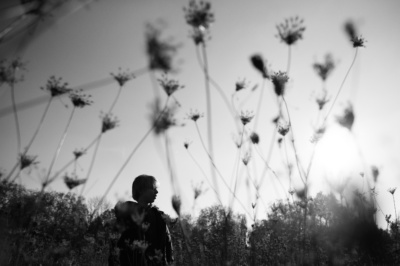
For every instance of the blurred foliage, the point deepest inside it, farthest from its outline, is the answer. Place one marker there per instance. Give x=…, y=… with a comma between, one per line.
x=51, y=228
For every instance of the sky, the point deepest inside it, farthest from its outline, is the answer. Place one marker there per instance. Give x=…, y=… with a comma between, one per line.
x=83, y=44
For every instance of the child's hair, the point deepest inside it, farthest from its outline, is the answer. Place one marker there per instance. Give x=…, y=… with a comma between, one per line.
x=141, y=183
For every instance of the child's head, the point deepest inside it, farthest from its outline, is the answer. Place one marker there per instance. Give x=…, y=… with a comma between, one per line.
x=144, y=189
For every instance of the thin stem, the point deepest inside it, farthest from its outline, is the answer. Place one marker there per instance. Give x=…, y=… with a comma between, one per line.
x=237, y=167
x=294, y=146
x=219, y=173
x=289, y=59
x=85, y=87
x=133, y=152
x=269, y=168
x=154, y=84
x=60, y=144
x=115, y=100
x=15, y=112
x=341, y=86
x=169, y=163
x=271, y=148
x=205, y=176
x=91, y=164
x=259, y=106
x=39, y=126
x=218, y=88
x=394, y=203
x=209, y=112
x=74, y=160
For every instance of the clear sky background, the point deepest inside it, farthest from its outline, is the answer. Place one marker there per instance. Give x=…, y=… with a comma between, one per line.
x=86, y=44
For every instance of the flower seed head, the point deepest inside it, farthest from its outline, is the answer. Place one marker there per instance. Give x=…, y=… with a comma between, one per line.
x=186, y=144
x=78, y=153
x=246, y=117
x=109, y=121
x=176, y=204
x=199, y=15
x=246, y=158
x=375, y=173
x=283, y=128
x=122, y=76
x=80, y=100
x=347, y=118
x=241, y=85
x=26, y=160
x=291, y=30
x=392, y=190
x=358, y=41
x=162, y=121
x=194, y=115
x=8, y=71
x=255, y=139
x=169, y=85
x=279, y=80
x=72, y=181
x=56, y=87
x=258, y=63
x=160, y=52
x=324, y=69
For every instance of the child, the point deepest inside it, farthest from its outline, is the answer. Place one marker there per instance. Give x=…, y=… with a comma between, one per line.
x=145, y=238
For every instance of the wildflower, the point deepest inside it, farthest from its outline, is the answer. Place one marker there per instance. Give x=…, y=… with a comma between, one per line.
x=347, y=119
x=291, y=30
x=279, y=80
x=56, y=87
x=253, y=205
x=145, y=226
x=162, y=120
x=240, y=85
x=78, y=153
x=387, y=218
x=199, y=15
x=140, y=244
x=321, y=101
x=159, y=52
x=186, y=144
x=324, y=69
x=280, y=142
x=122, y=77
x=246, y=158
x=8, y=69
x=199, y=35
x=375, y=172
x=72, y=181
x=170, y=85
x=255, y=139
x=318, y=134
x=392, y=190
x=198, y=190
x=258, y=63
x=194, y=115
x=350, y=29
x=237, y=140
x=283, y=128
x=291, y=192
x=27, y=160
x=176, y=204
x=246, y=117
x=80, y=100
x=358, y=41
x=108, y=122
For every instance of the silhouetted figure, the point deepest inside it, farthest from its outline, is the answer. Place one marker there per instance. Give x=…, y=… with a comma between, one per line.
x=145, y=238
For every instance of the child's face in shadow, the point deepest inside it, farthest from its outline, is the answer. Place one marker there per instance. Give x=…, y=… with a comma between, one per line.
x=149, y=195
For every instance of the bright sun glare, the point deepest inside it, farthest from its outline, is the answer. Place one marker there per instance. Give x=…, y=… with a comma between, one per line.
x=337, y=161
